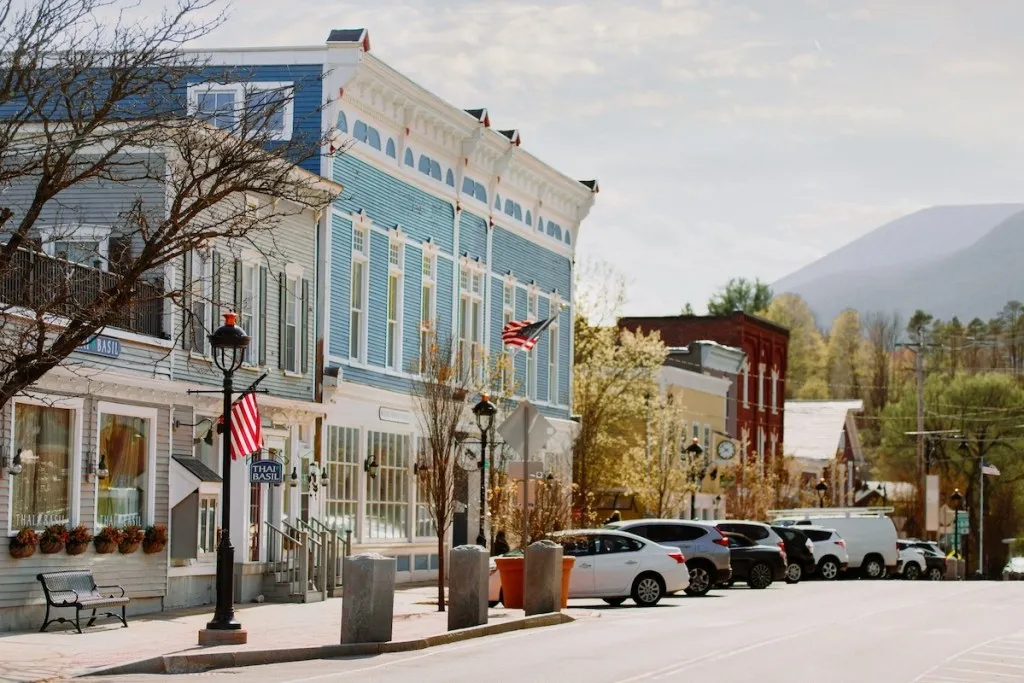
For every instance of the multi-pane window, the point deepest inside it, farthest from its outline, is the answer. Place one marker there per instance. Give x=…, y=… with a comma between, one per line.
x=470, y=349
x=427, y=306
x=425, y=527
x=553, y=364
x=387, y=494
x=343, y=463
x=292, y=310
x=707, y=438
x=746, y=384
x=205, y=452
x=760, y=387
x=249, y=309
x=508, y=299
x=202, y=310
x=44, y=438
x=357, y=319
x=208, y=524
x=217, y=107
x=394, y=331
x=531, y=355
x=266, y=107
x=124, y=446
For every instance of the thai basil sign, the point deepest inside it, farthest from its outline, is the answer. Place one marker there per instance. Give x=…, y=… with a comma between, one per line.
x=266, y=472
x=107, y=347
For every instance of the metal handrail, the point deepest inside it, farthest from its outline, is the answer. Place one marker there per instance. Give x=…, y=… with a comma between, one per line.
x=292, y=553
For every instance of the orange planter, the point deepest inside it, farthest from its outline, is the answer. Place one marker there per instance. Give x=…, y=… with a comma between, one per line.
x=511, y=571
x=567, y=565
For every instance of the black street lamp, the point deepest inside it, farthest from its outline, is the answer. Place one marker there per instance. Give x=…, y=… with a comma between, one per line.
x=696, y=473
x=229, y=343
x=957, y=499
x=484, y=412
x=822, y=489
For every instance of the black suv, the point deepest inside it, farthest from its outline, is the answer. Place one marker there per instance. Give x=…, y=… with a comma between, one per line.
x=799, y=553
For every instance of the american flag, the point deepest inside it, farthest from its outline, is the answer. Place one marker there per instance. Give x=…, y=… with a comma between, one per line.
x=246, y=430
x=524, y=333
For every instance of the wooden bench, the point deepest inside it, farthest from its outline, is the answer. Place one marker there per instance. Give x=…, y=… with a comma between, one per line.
x=76, y=588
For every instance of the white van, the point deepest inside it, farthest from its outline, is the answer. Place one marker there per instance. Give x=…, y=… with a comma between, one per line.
x=870, y=536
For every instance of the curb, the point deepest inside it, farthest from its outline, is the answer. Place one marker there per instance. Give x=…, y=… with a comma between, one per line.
x=198, y=663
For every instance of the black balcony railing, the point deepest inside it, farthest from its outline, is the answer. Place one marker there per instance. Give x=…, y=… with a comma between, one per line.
x=39, y=282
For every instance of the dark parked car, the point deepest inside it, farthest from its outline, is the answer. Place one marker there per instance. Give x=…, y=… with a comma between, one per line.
x=758, y=565
x=799, y=553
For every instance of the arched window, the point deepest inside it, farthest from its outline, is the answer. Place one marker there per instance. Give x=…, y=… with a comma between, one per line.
x=481, y=193
x=435, y=170
x=558, y=232
x=342, y=123
x=449, y=178
x=359, y=131
x=408, y=158
x=529, y=218
x=518, y=211
x=424, y=165
x=540, y=225
x=509, y=207
x=390, y=149
x=373, y=138
x=568, y=237
x=468, y=186
x=497, y=202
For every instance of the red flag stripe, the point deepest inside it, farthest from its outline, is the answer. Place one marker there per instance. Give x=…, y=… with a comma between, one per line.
x=246, y=430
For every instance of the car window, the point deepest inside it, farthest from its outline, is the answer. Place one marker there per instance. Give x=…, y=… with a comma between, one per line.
x=739, y=542
x=641, y=530
x=617, y=544
x=787, y=534
x=817, y=535
x=577, y=546
x=754, y=532
x=671, y=533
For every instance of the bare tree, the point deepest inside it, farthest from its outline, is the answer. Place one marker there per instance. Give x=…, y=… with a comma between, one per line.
x=882, y=331
x=93, y=106
x=440, y=396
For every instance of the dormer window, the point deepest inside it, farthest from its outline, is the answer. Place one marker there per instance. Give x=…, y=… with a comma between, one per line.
x=267, y=106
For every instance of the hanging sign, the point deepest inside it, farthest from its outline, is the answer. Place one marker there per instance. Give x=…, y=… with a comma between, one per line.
x=266, y=472
x=108, y=347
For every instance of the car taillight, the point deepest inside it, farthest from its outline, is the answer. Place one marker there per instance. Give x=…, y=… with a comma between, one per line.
x=722, y=541
x=841, y=543
x=782, y=547
x=678, y=557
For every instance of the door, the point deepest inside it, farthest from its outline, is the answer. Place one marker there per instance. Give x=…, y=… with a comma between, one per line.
x=740, y=557
x=581, y=579
x=616, y=563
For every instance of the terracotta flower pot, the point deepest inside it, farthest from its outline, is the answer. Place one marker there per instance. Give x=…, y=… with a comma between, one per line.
x=153, y=547
x=511, y=571
x=128, y=547
x=104, y=546
x=567, y=565
x=76, y=548
x=49, y=546
x=20, y=552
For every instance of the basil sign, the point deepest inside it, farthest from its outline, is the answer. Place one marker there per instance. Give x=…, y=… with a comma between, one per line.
x=266, y=472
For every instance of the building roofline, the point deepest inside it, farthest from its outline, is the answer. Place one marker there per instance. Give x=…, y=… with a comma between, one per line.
x=756, y=319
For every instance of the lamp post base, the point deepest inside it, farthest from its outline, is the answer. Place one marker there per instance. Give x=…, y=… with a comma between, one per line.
x=211, y=637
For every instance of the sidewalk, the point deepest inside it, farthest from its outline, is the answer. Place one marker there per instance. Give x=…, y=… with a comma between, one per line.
x=63, y=653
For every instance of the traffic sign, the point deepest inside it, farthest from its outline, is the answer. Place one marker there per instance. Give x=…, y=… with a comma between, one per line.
x=963, y=522
x=526, y=424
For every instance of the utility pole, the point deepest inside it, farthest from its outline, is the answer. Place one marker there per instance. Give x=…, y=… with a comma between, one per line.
x=921, y=472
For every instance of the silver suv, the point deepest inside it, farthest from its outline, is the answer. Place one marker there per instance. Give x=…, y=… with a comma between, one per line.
x=706, y=550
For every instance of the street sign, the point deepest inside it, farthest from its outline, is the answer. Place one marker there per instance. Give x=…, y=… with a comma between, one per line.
x=266, y=472
x=963, y=522
x=526, y=424
x=931, y=490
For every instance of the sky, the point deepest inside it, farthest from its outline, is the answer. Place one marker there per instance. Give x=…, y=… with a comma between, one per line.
x=730, y=139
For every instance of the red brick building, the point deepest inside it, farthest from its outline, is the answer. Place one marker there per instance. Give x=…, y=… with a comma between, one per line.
x=760, y=400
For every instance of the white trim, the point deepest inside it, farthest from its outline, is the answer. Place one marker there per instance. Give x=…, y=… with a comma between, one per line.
x=143, y=412
x=760, y=387
x=240, y=90
x=294, y=270
x=86, y=232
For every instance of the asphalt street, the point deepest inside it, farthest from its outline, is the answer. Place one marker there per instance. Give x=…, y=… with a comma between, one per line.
x=842, y=632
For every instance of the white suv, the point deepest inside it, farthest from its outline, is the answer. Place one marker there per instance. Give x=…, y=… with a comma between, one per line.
x=830, y=554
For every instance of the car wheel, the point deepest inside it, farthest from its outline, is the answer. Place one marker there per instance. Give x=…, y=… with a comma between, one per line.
x=700, y=581
x=647, y=590
x=935, y=574
x=760, y=576
x=873, y=568
x=829, y=569
x=794, y=572
x=912, y=572
x=615, y=602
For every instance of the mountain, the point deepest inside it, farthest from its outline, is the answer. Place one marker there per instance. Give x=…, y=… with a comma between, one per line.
x=921, y=236
x=912, y=267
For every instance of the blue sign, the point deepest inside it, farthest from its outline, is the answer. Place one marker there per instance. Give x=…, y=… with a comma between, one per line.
x=266, y=472
x=101, y=346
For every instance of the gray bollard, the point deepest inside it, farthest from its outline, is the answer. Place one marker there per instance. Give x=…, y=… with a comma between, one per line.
x=542, y=585
x=368, y=605
x=468, y=574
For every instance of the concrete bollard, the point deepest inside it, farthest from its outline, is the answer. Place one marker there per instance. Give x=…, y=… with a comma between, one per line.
x=468, y=574
x=368, y=605
x=542, y=585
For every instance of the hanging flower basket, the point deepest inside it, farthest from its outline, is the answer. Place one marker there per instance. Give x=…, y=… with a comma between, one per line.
x=24, y=544
x=155, y=539
x=53, y=539
x=107, y=540
x=131, y=539
x=78, y=540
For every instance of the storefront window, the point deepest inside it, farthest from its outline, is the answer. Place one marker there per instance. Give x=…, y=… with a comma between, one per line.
x=203, y=451
x=124, y=445
x=425, y=527
x=387, y=494
x=43, y=437
x=342, y=457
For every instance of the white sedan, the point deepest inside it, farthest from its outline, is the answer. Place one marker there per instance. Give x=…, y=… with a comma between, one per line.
x=614, y=566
